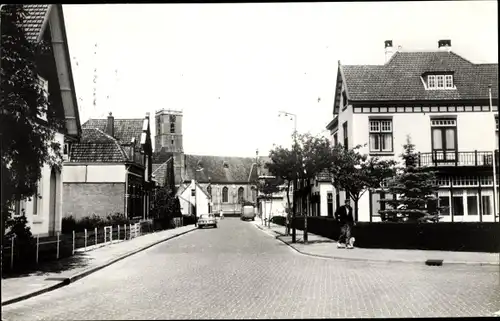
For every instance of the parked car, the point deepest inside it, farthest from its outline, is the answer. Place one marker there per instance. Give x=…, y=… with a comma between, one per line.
x=207, y=220
x=247, y=213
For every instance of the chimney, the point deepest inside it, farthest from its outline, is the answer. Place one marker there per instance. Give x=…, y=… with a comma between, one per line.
x=444, y=45
x=388, y=50
x=110, y=129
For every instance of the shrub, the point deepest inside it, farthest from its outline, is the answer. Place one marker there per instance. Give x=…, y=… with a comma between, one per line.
x=280, y=220
x=70, y=224
x=189, y=219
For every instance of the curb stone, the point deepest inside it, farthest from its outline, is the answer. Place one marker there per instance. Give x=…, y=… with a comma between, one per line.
x=73, y=278
x=370, y=260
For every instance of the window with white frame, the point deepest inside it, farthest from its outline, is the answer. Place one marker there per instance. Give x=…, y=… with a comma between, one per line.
x=440, y=82
x=380, y=135
x=431, y=81
x=448, y=81
x=44, y=85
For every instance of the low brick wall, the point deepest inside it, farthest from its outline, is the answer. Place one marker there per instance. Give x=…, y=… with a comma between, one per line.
x=465, y=236
x=85, y=199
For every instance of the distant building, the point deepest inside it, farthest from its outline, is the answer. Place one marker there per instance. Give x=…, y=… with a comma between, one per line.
x=227, y=180
x=110, y=170
x=442, y=101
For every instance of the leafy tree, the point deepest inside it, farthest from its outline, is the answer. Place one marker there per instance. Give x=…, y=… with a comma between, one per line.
x=268, y=187
x=26, y=141
x=314, y=155
x=310, y=156
x=356, y=173
x=165, y=207
x=415, y=186
x=283, y=165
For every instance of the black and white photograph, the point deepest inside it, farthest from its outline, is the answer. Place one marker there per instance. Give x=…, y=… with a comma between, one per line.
x=253, y=160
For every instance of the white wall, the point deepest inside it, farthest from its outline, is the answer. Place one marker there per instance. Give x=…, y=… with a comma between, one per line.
x=346, y=115
x=324, y=188
x=273, y=207
x=202, y=201
x=39, y=222
x=94, y=173
x=475, y=130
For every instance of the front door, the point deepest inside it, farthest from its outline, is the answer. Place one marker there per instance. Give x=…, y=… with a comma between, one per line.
x=329, y=198
x=52, y=203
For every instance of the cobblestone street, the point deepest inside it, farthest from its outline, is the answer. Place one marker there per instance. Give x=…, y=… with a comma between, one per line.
x=237, y=271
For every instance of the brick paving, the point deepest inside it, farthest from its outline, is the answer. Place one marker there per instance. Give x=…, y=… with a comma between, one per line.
x=325, y=247
x=82, y=261
x=236, y=271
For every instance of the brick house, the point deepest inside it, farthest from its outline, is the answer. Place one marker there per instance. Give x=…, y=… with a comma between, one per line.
x=46, y=22
x=110, y=170
x=443, y=102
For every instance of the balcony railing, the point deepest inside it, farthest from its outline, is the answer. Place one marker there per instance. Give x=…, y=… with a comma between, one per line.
x=449, y=158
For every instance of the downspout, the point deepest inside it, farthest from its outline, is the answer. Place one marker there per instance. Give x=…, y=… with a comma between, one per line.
x=126, y=189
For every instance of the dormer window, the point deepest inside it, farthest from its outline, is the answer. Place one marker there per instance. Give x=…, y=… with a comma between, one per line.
x=440, y=82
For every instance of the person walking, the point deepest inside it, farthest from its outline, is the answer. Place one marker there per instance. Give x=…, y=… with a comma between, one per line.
x=221, y=214
x=344, y=217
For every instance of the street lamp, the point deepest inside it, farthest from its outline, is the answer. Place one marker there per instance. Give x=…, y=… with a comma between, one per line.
x=287, y=114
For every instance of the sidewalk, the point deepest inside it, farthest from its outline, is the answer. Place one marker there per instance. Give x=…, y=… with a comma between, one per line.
x=62, y=272
x=324, y=247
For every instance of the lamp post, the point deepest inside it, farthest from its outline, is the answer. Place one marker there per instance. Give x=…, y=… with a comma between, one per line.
x=286, y=114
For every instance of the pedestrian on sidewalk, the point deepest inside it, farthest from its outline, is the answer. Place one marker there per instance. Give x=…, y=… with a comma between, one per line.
x=344, y=217
x=221, y=214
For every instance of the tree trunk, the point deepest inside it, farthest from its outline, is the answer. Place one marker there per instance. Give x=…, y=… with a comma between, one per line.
x=270, y=213
x=356, y=200
x=294, y=230
x=287, y=228
x=307, y=210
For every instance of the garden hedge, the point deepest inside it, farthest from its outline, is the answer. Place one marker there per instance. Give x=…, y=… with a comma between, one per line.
x=457, y=236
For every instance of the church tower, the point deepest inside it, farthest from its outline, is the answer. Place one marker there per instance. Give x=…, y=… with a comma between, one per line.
x=168, y=138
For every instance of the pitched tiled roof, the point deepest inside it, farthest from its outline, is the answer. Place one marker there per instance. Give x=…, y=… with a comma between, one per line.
x=33, y=22
x=400, y=78
x=237, y=170
x=324, y=176
x=96, y=146
x=124, y=131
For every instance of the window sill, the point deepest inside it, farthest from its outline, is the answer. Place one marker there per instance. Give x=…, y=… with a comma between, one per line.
x=381, y=153
x=37, y=221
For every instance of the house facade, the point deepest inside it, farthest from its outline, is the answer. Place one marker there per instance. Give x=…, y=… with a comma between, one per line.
x=442, y=102
x=110, y=170
x=46, y=22
x=225, y=179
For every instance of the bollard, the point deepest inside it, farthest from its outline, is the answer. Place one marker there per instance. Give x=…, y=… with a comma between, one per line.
x=57, y=255
x=37, y=247
x=130, y=237
x=95, y=236
x=73, y=252
x=125, y=231
x=85, y=245
x=12, y=253
x=111, y=235
x=118, y=232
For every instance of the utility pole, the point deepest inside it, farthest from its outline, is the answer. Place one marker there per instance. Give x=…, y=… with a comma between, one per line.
x=286, y=114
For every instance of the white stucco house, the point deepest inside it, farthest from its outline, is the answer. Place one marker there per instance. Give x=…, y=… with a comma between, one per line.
x=447, y=104
x=46, y=22
x=191, y=194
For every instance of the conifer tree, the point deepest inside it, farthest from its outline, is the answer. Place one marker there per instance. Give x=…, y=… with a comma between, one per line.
x=415, y=187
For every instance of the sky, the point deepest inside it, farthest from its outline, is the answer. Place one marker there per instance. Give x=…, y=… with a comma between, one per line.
x=232, y=67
